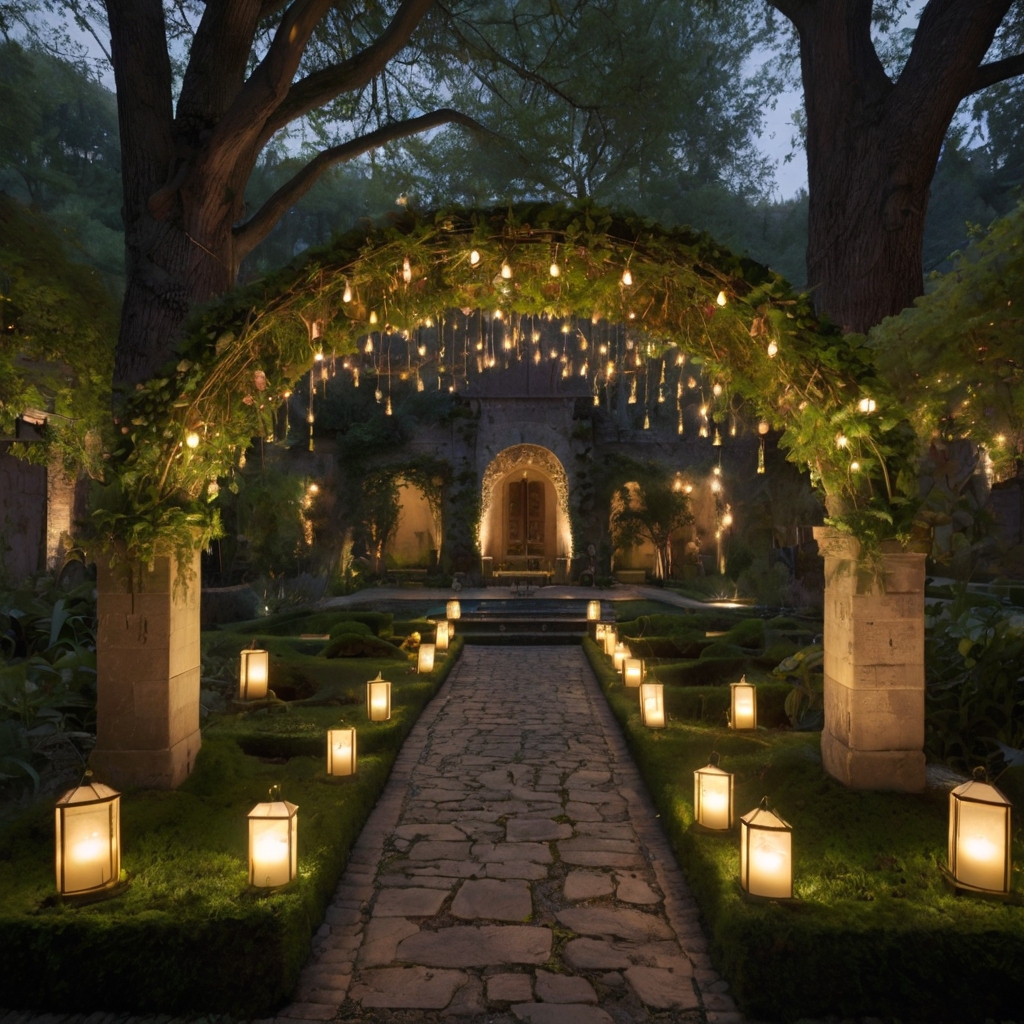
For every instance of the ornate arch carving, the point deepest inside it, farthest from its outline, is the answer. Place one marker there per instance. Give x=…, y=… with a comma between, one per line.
x=519, y=456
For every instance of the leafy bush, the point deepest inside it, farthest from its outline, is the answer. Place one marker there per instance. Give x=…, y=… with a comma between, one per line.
x=975, y=685
x=748, y=633
x=705, y=672
x=355, y=645
x=805, y=671
x=722, y=649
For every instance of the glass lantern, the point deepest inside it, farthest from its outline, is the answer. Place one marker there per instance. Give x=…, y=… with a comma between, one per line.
x=713, y=797
x=378, y=699
x=253, y=674
x=341, y=751
x=273, y=842
x=766, y=854
x=743, y=705
x=88, y=839
x=600, y=631
x=632, y=671
x=593, y=611
x=425, y=659
x=454, y=610
x=620, y=655
x=442, y=635
x=611, y=641
x=979, y=837
x=652, y=705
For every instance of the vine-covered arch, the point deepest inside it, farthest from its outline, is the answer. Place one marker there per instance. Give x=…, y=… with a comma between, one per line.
x=757, y=339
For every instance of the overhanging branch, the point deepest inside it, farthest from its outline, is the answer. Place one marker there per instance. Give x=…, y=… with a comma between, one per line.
x=997, y=71
x=254, y=230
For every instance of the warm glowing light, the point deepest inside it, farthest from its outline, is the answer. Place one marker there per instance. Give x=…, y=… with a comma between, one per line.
x=611, y=641
x=253, y=674
x=454, y=610
x=766, y=854
x=313, y=489
x=716, y=390
x=619, y=656
x=555, y=270
x=442, y=634
x=341, y=751
x=192, y=440
x=506, y=271
x=406, y=270
x=627, y=277
x=855, y=466
x=763, y=427
x=713, y=797
x=979, y=836
x=842, y=441
x=632, y=671
x=273, y=842
x=867, y=405
x=727, y=519
x=722, y=299
x=425, y=659
x=378, y=699
x=652, y=705
x=773, y=349
x=346, y=295
x=474, y=258
x=593, y=611
x=743, y=700
x=716, y=485
x=88, y=839
x=373, y=316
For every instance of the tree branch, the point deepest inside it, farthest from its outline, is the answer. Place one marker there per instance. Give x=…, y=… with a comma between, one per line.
x=996, y=72
x=254, y=230
x=321, y=87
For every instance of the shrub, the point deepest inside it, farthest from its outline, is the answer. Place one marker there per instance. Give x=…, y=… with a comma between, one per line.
x=705, y=672
x=355, y=645
x=748, y=633
x=722, y=649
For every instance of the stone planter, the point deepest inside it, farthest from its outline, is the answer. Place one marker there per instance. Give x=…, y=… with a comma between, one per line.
x=148, y=665
x=874, y=664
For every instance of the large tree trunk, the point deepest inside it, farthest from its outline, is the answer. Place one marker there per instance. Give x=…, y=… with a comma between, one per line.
x=873, y=145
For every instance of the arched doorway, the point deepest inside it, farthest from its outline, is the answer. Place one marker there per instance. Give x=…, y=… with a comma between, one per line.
x=524, y=510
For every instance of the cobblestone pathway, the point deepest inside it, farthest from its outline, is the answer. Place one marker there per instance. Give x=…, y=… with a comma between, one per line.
x=513, y=870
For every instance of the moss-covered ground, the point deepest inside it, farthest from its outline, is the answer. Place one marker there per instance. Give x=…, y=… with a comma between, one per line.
x=874, y=930
x=189, y=934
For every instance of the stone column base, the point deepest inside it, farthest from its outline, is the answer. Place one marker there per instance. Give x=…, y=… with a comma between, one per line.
x=897, y=770
x=147, y=769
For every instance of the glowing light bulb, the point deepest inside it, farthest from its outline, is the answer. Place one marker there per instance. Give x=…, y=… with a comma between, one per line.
x=842, y=441
x=373, y=316
x=474, y=258
x=406, y=270
x=979, y=847
x=855, y=466
x=555, y=270
x=192, y=439
x=773, y=349
x=369, y=345
x=318, y=357
x=727, y=519
x=867, y=405
x=716, y=390
x=627, y=277
x=421, y=350
x=498, y=315
x=506, y=271
x=346, y=295
x=722, y=299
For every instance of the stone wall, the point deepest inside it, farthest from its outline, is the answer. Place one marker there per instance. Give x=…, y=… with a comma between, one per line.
x=23, y=533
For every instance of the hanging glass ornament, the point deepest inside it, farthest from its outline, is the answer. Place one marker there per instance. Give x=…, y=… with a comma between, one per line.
x=632, y=392
x=647, y=421
x=537, y=356
x=760, y=457
x=679, y=426
x=368, y=348
x=773, y=349
x=627, y=278
x=506, y=272
x=346, y=295
x=387, y=407
x=378, y=395
x=717, y=441
x=703, y=432
x=373, y=316
x=355, y=376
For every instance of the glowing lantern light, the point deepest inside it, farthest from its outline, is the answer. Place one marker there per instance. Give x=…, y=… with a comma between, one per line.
x=773, y=349
x=88, y=839
x=454, y=610
x=506, y=272
x=341, y=751
x=619, y=656
x=378, y=699
x=611, y=641
x=627, y=277
x=555, y=270
x=192, y=440
x=373, y=316
x=346, y=295
x=273, y=842
x=474, y=258
x=441, y=636
x=763, y=427
x=713, y=796
x=425, y=659
x=743, y=700
x=652, y=705
x=600, y=629
x=253, y=674
x=632, y=671
x=593, y=611
x=722, y=299
x=979, y=837
x=766, y=854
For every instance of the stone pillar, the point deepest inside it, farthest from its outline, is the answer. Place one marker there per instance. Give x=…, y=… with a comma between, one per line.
x=60, y=512
x=147, y=661
x=874, y=665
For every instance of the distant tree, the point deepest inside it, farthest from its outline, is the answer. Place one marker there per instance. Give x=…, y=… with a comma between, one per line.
x=650, y=510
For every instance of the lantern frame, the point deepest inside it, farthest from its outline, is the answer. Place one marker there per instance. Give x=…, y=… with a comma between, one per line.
x=963, y=800
x=277, y=810
x=764, y=820
x=655, y=692
x=99, y=795
x=453, y=610
x=711, y=770
x=619, y=656
x=600, y=632
x=336, y=765
x=637, y=666
x=593, y=611
x=611, y=641
x=252, y=654
x=734, y=689
x=425, y=658
x=373, y=688
x=442, y=635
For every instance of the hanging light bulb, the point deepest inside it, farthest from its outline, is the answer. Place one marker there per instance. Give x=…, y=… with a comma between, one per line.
x=419, y=383
x=773, y=349
x=627, y=278
x=584, y=369
x=763, y=427
x=192, y=440
x=842, y=441
x=406, y=270
x=553, y=353
x=703, y=432
x=506, y=272
x=369, y=345
x=867, y=405
x=679, y=425
x=537, y=356
x=597, y=399
x=681, y=359
x=855, y=466
x=474, y=258
x=346, y=295
x=716, y=390
x=555, y=270
x=387, y=407
x=318, y=357
x=717, y=442
x=378, y=395
x=373, y=316
x=632, y=392
x=722, y=299
x=609, y=370
x=603, y=351
x=760, y=457
x=421, y=350
x=355, y=376
x=647, y=421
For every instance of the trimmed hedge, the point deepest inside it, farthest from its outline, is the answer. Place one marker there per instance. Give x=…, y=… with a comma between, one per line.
x=189, y=935
x=874, y=931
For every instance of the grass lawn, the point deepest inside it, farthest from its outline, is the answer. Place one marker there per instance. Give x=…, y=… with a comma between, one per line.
x=189, y=934
x=874, y=931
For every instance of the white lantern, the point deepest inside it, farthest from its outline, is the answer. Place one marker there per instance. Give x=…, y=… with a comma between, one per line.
x=253, y=675
x=425, y=659
x=632, y=671
x=341, y=751
x=454, y=610
x=441, y=636
x=620, y=655
x=593, y=611
x=652, y=705
x=273, y=842
x=766, y=854
x=713, y=797
x=378, y=699
x=979, y=837
x=600, y=629
x=743, y=705
x=611, y=641
x=88, y=839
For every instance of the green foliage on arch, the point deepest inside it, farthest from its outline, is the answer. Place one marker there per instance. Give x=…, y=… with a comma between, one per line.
x=756, y=336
